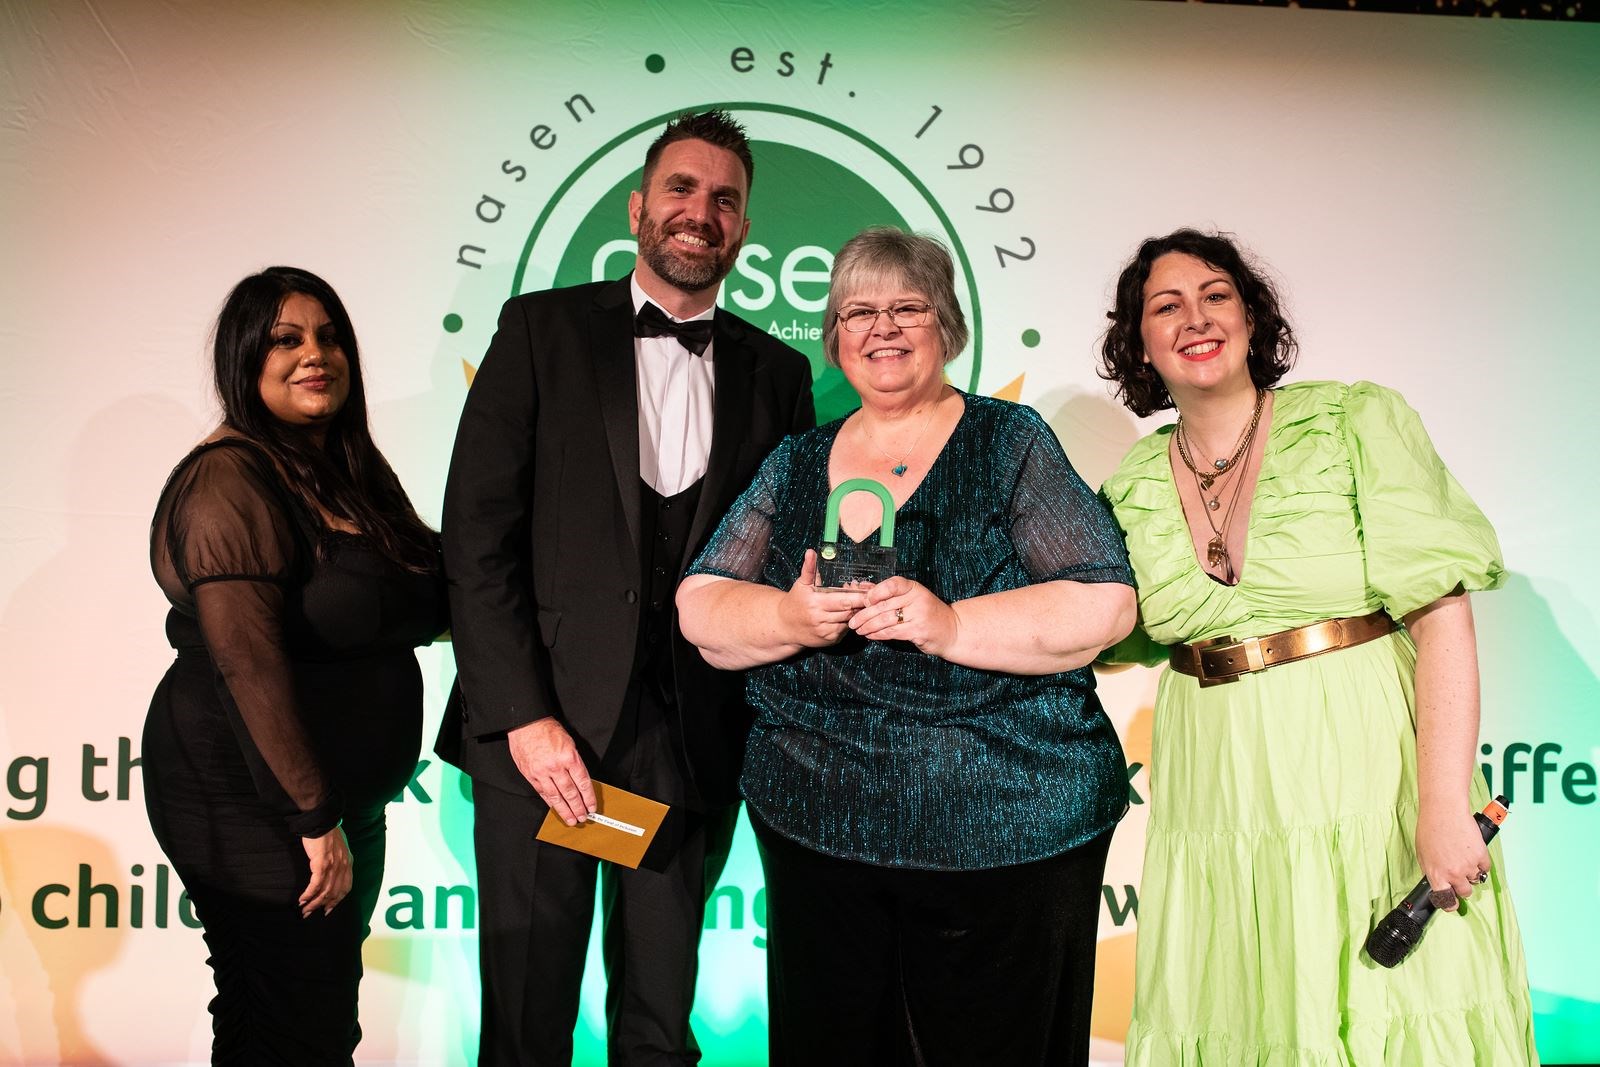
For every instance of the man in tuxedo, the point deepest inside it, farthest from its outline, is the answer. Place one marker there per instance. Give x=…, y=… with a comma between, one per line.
x=607, y=431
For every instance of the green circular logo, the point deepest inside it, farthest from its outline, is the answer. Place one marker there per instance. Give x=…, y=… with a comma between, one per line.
x=817, y=185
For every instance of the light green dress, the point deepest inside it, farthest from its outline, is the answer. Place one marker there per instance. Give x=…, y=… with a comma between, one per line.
x=1283, y=805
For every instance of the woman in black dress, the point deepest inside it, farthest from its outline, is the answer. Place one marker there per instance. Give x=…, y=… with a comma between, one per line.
x=300, y=579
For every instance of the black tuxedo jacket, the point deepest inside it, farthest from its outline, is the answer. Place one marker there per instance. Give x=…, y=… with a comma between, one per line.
x=542, y=526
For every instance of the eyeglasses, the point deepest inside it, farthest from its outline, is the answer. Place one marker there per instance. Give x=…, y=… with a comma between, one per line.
x=862, y=319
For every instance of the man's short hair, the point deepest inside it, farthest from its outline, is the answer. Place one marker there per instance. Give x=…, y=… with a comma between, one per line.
x=715, y=128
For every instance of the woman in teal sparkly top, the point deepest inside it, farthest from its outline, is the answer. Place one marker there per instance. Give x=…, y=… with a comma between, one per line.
x=931, y=778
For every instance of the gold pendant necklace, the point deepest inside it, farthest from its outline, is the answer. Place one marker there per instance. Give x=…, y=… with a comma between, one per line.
x=1220, y=467
x=1217, y=558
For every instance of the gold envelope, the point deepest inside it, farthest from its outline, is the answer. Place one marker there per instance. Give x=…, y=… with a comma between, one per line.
x=633, y=821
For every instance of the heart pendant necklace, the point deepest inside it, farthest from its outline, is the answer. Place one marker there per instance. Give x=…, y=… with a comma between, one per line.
x=899, y=466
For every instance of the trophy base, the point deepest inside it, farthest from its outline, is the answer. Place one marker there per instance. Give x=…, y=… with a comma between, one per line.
x=842, y=565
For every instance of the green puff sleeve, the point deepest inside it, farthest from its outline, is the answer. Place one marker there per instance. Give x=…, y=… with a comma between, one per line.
x=1138, y=647
x=1423, y=536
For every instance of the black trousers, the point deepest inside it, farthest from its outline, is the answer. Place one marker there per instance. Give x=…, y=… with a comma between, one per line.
x=537, y=906
x=875, y=965
x=286, y=985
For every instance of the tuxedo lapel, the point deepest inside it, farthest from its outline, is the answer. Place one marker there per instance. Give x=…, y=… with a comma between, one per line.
x=616, y=382
x=730, y=421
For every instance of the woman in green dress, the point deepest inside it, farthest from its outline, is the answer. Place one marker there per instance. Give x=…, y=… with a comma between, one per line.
x=1302, y=780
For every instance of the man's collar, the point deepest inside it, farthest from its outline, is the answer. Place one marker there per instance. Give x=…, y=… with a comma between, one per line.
x=640, y=297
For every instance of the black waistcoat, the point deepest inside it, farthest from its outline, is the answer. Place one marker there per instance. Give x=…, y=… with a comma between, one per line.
x=664, y=543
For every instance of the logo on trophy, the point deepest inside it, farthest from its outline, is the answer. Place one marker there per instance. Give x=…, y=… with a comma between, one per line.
x=841, y=564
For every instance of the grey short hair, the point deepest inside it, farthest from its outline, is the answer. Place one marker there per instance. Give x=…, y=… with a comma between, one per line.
x=887, y=255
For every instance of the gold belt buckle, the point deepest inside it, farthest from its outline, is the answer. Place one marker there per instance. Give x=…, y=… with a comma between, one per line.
x=1200, y=650
x=1253, y=659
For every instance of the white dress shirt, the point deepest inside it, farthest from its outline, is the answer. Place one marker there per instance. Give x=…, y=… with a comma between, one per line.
x=676, y=390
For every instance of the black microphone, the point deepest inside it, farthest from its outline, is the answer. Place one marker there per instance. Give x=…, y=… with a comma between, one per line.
x=1400, y=930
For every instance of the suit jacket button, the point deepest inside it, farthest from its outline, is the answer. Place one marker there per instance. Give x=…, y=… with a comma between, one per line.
x=631, y=597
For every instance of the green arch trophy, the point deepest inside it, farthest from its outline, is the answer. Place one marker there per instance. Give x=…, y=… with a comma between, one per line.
x=841, y=564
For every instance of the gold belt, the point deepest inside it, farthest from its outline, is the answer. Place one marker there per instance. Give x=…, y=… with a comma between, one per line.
x=1222, y=659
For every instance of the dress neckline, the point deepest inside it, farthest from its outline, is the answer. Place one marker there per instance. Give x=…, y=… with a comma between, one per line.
x=314, y=524
x=827, y=473
x=1245, y=555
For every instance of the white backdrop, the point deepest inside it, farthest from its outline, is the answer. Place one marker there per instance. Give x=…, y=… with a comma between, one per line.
x=1424, y=187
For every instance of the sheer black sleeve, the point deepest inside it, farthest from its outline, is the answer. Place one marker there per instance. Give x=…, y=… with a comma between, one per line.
x=1061, y=529
x=225, y=545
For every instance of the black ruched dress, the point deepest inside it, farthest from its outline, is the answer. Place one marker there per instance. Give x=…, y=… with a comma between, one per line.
x=295, y=702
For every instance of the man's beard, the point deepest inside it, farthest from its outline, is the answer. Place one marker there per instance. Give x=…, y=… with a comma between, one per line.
x=658, y=250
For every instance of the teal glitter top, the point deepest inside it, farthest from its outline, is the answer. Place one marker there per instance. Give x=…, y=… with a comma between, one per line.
x=875, y=752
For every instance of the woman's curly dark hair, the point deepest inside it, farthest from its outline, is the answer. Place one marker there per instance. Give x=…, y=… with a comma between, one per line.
x=1272, y=343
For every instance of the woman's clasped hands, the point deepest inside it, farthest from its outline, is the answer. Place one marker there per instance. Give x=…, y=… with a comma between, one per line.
x=897, y=609
x=817, y=616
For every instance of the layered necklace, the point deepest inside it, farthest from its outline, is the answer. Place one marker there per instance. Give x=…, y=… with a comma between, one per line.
x=1217, y=548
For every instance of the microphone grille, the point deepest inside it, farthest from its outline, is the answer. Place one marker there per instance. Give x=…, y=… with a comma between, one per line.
x=1393, y=939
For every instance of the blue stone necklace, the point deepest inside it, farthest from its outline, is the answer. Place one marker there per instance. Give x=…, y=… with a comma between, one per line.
x=899, y=466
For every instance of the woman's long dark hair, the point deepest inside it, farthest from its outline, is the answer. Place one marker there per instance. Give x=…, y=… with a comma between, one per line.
x=348, y=476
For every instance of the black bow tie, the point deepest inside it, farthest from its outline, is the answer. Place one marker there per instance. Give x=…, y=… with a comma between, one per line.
x=694, y=335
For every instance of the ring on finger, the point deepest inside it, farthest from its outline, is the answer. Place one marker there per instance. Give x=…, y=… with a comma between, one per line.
x=899, y=614
x=1481, y=877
